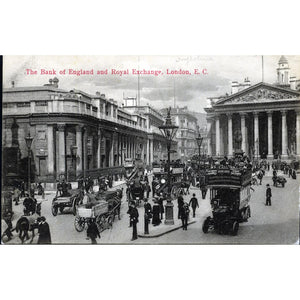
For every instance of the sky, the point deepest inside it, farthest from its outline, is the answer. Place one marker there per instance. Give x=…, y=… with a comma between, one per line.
x=158, y=91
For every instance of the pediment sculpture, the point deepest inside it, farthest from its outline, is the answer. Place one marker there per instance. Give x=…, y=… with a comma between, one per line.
x=260, y=94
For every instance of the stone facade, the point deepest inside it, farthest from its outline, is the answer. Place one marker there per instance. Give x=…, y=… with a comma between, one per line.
x=75, y=134
x=261, y=120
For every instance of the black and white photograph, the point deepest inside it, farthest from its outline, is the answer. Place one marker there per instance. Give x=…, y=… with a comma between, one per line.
x=150, y=149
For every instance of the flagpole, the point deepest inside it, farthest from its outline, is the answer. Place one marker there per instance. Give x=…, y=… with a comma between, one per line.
x=262, y=68
x=139, y=101
x=174, y=91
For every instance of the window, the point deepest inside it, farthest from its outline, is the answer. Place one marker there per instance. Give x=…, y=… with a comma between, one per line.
x=23, y=104
x=88, y=106
x=41, y=135
x=41, y=103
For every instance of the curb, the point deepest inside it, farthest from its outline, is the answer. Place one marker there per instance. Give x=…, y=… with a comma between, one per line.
x=163, y=233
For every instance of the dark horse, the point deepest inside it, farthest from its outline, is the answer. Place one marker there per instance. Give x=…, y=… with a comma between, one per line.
x=26, y=224
x=31, y=206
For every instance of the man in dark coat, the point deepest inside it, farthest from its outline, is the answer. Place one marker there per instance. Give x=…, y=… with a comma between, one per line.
x=194, y=203
x=148, y=189
x=180, y=204
x=161, y=205
x=184, y=214
x=268, y=195
x=22, y=188
x=134, y=218
x=131, y=204
x=44, y=232
x=147, y=216
x=93, y=232
x=260, y=176
x=59, y=189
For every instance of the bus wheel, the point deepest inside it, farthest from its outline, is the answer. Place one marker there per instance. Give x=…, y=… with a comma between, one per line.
x=205, y=225
x=235, y=228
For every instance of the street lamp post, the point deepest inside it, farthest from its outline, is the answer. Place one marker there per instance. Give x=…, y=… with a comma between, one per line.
x=199, y=140
x=169, y=130
x=74, y=157
x=29, y=140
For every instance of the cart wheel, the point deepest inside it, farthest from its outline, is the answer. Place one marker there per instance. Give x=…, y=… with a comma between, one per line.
x=100, y=221
x=74, y=210
x=248, y=212
x=79, y=224
x=235, y=228
x=110, y=221
x=61, y=209
x=54, y=210
x=205, y=225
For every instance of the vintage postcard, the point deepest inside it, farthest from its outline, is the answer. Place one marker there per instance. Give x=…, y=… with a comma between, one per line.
x=150, y=149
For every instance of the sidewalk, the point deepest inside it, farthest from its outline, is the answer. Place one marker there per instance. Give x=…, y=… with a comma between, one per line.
x=162, y=229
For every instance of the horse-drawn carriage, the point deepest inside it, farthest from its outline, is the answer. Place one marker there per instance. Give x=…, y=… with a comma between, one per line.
x=230, y=196
x=102, y=207
x=160, y=175
x=137, y=190
x=71, y=200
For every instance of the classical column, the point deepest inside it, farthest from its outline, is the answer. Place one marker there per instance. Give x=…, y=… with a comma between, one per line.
x=221, y=140
x=130, y=147
x=209, y=121
x=151, y=151
x=148, y=152
x=111, y=153
x=85, y=152
x=61, y=149
x=270, y=135
x=230, y=143
x=284, y=135
x=119, y=149
x=298, y=134
x=134, y=149
x=99, y=149
x=217, y=135
x=243, y=131
x=50, y=143
x=256, y=134
x=79, y=149
x=143, y=150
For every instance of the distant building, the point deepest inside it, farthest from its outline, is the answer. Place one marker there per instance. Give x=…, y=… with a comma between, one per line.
x=262, y=120
x=187, y=131
x=156, y=143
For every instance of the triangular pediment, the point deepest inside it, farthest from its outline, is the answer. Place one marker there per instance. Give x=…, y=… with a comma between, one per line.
x=261, y=92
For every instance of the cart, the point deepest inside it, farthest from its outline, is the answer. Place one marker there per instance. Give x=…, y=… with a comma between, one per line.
x=102, y=207
x=72, y=201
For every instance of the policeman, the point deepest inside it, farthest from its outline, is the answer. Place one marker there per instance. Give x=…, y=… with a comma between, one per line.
x=134, y=218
